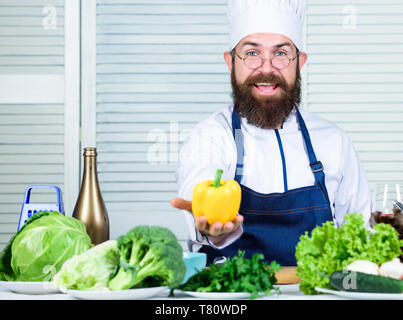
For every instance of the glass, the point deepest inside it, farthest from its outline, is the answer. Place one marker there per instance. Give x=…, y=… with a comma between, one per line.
x=385, y=195
x=278, y=62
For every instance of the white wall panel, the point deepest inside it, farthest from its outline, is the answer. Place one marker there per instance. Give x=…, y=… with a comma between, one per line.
x=32, y=105
x=355, y=77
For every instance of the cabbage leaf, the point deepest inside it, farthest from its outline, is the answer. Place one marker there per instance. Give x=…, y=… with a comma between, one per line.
x=90, y=270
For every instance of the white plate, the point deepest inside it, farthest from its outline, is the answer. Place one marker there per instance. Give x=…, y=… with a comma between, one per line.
x=363, y=295
x=220, y=295
x=130, y=294
x=30, y=287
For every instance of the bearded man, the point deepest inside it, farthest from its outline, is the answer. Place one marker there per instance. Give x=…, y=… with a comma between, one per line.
x=296, y=170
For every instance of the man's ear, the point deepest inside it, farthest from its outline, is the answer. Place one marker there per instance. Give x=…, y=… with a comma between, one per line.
x=302, y=59
x=228, y=60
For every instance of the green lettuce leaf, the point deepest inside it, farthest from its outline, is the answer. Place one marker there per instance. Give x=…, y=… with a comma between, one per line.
x=91, y=270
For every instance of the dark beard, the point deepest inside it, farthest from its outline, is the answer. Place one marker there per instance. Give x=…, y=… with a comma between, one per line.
x=268, y=113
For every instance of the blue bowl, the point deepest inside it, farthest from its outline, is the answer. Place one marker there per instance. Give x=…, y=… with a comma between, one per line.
x=195, y=262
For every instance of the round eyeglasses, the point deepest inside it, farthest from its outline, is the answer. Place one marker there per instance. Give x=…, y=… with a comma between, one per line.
x=278, y=62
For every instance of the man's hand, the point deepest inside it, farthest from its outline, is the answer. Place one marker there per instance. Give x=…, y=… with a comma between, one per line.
x=217, y=230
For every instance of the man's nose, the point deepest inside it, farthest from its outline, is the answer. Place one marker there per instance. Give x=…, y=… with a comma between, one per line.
x=266, y=66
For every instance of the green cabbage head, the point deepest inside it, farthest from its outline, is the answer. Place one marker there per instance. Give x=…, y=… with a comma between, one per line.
x=39, y=249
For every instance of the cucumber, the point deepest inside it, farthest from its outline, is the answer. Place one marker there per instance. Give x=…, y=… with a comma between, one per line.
x=362, y=282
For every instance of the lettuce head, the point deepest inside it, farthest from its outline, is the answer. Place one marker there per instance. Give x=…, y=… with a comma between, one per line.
x=39, y=249
x=90, y=270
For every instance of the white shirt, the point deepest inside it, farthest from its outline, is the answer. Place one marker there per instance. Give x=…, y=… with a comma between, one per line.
x=211, y=146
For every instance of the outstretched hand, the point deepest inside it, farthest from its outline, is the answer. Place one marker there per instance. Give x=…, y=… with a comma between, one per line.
x=217, y=229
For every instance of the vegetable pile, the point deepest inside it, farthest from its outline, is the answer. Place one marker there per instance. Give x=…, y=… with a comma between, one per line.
x=39, y=249
x=236, y=274
x=146, y=256
x=329, y=249
x=367, y=276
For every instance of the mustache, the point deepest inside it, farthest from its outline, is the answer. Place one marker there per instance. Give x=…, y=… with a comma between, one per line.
x=266, y=78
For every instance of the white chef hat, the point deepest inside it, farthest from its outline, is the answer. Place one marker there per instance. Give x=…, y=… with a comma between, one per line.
x=285, y=17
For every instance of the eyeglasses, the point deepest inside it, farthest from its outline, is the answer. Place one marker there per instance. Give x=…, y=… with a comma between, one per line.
x=256, y=61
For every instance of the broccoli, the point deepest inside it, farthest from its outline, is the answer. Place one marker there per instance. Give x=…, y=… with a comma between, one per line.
x=149, y=255
x=166, y=236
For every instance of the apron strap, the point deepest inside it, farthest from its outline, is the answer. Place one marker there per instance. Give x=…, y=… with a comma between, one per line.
x=238, y=137
x=316, y=166
x=280, y=144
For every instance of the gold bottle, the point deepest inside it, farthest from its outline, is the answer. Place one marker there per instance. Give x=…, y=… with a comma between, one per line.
x=90, y=207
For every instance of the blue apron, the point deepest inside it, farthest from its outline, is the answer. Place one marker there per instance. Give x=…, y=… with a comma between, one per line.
x=273, y=223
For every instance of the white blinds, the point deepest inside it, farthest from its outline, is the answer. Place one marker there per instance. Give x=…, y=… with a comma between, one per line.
x=160, y=69
x=31, y=104
x=355, y=77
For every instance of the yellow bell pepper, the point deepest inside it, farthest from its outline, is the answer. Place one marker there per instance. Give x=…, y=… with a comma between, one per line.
x=217, y=200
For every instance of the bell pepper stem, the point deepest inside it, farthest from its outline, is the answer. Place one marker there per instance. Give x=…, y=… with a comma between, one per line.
x=217, y=181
